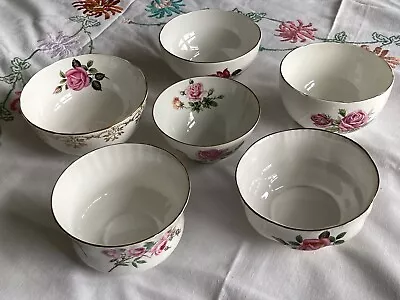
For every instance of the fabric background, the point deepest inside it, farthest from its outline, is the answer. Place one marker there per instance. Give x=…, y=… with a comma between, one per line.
x=220, y=256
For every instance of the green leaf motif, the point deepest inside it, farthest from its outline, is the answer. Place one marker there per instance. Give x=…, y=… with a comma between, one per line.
x=134, y=264
x=340, y=37
x=210, y=92
x=63, y=81
x=280, y=241
x=324, y=235
x=149, y=245
x=332, y=239
x=96, y=85
x=340, y=235
x=213, y=103
x=92, y=70
x=141, y=261
x=191, y=81
x=89, y=63
x=380, y=38
x=339, y=242
x=299, y=238
x=76, y=63
x=57, y=90
x=85, y=68
x=99, y=76
x=342, y=112
x=62, y=74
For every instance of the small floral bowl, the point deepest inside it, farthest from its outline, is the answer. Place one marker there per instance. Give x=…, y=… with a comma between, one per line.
x=335, y=87
x=122, y=205
x=82, y=103
x=207, y=118
x=319, y=196
x=210, y=42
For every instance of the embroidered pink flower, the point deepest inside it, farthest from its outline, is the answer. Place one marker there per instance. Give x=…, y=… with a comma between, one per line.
x=212, y=154
x=321, y=120
x=289, y=31
x=392, y=61
x=159, y=247
x=77, y=78
x=314, y=244
x=135, y=252
x=353, y=121
x=15, y=103
x=194, y=91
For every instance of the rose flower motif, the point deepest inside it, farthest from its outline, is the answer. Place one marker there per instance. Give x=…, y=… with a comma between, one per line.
x=194, y=91
x=353, y=121
x=212, y=154
x=224, y=74
x=177, y=103
x=321, y=120
x=159, y=247
x=136, y=252
x=77, y=78
x=314, y=244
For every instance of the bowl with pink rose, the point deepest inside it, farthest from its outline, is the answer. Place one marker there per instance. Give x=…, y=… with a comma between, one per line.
x=318, y=196
x=81, y=103
x=122, y=206
x=207, y=118
x=336, y=87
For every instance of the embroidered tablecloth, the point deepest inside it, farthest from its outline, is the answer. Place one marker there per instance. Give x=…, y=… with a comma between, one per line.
x=220, y=256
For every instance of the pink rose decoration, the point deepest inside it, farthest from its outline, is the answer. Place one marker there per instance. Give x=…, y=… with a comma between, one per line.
x=136, y=252
x=321, y=120
x=194, y=91
x=353, y=121
x=314, y=244
x=159, y=247
x=77, y=78
x=212, y=154
x=112, y=253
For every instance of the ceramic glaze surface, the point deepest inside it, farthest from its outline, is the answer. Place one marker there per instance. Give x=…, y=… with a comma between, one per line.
x=306, y=180
x=210, y=36
x=120, y=195
x=343, y=96
x=206, y=112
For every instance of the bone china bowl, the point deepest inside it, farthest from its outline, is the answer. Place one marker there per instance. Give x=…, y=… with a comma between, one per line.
x=85, y=102
x=210, y=42
x=207, y=118
x=307, y=188
x=336, y=87
x=123, y=205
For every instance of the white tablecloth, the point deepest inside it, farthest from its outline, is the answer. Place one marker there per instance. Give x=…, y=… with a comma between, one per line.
x=220, y=256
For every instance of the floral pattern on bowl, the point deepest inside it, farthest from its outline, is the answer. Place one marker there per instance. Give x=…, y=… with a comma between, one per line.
x=80, y=77
x=323, y=240
x=344, y=123
x=227, y=74
x=139, y=255
x=212, y=155
x=197, y=98
x=108, y=135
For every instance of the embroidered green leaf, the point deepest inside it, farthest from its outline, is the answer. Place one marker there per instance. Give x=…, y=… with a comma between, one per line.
x=89, y=63
x=340, y=235
x=92, y=70
x=342, y=112
x=62, y=74
x=96, y=85
x=299, y=238
x=324, y=235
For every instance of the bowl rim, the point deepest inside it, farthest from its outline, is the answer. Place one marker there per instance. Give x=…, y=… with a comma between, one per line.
x=214, y=145
x=340, y=45
x=189, y=188
x=345, y=139
x=97, y=130
x=210, y=62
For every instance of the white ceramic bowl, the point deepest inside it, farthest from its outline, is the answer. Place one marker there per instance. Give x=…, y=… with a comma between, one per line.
x=210, y=42
x=307, y=188
x=207, y=118
x=123, y=205
x=85, y=102
x=336, y=87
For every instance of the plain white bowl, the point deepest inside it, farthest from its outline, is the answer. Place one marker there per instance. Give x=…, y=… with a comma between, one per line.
x=85, y=102
x=336, y=87
x=123, y=205
x=210, y=42
x=207, y=118
x=307, y=188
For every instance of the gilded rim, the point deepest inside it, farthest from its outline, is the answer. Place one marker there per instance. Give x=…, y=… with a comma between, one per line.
x=135, y=242
x=215, y=145
x=97, y=130
x=205, y=62
x=333, y=101
x=347, y=140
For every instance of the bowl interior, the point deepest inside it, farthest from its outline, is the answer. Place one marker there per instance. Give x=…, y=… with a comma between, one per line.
x=120, y=194
x=336, y=72
x=206, y=111
x=106, y=93
x=210, y=36
x=307, y=179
